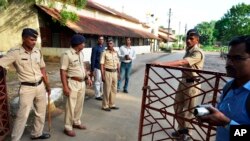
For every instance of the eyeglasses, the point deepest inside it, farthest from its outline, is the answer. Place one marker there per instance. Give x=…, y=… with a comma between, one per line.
x=236, y=58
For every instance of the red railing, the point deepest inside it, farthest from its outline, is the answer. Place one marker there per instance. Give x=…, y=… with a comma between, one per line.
x=4, y=114
x=158, y=119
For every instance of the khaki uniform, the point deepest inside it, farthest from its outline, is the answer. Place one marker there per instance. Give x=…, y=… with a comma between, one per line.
x=195, y=58
x=110, y=60
x=28, y=66
x=74, y=65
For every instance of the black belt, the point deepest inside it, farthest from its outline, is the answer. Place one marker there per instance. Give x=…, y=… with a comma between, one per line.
x=32, y=84
x=110, y=70
x=192, y=80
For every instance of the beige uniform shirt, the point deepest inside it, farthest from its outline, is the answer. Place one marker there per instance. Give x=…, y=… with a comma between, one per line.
x=109, y=59
x=73, y=63
x=27, y=64
x=195, y=58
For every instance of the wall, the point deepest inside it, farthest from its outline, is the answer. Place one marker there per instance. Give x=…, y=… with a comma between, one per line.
x=57, y=52
x=16, y=17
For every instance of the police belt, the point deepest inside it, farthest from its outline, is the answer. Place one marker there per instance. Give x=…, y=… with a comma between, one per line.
x=32, y=84
x=192, y=80
x=77, y=79
x=110, y=70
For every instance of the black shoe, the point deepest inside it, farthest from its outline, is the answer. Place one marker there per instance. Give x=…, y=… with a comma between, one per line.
x=180, y=132
x=114, y=108
x=43, y=136
x=106, y=109
x=118, y=90
x=98, y=98
x=125, y=91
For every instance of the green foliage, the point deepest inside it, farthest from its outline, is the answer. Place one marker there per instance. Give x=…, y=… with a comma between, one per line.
x=66, y=15
x=3, y=4
x=206, y=30
x=211, y=48
x=163, y=47
x=234, y=23
x=175, y=46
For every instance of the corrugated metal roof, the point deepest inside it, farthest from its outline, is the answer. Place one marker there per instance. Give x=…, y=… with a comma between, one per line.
x=89, y=25
x=165, y=37
x=109, y=10
x=164, y=31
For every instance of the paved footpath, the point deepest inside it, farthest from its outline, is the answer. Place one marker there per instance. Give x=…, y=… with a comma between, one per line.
x=119, y=125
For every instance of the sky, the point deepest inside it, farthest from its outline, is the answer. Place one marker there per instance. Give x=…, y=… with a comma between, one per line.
x=183, y=12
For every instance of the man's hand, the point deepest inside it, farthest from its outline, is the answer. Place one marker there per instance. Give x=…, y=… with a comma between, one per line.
x=66, y=91
x=48, y=90
x=89, y=82
x=127, y=57
x=103, y=78
x=216, y=118
x=92, y=74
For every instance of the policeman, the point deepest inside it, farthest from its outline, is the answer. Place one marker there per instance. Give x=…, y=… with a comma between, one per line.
x=110, y=72
x=73, y=76
x=193, y=58
x=29, y=64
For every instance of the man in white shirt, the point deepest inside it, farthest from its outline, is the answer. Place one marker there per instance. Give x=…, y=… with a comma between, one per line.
x=127, y=55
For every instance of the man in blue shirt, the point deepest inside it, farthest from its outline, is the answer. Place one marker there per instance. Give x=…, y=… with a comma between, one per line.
x=233, y=108
x=95, y=67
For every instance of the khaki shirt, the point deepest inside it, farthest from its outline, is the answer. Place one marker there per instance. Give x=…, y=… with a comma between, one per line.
x=28, y=64
x=195, y=58
x=73, y=63
x=110, y=59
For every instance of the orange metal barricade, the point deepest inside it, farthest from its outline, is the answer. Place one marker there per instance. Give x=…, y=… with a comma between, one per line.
x=4, y=114
x=158, y=118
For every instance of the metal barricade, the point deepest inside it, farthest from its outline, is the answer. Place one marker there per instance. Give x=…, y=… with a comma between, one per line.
x=4, y=114
x=158, y=118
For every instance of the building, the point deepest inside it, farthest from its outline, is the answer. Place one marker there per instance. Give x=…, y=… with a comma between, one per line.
x=95, y=19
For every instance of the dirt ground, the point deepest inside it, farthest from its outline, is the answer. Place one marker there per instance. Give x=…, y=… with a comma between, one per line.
x=213, y=62
x=130, y=104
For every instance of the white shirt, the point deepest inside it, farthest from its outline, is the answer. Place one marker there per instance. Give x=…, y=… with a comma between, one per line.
x=125, y=50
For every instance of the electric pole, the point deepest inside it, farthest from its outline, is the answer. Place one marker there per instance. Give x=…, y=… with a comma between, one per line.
x=179, y=38
x=169, y=20
x=185, y=28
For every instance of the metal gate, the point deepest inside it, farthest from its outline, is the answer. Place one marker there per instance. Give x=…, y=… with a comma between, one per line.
x=158, y=119
x=4, y=114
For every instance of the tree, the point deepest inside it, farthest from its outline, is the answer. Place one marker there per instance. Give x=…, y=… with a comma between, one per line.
x=65, y=15
x=206, y=30
x=234, y=23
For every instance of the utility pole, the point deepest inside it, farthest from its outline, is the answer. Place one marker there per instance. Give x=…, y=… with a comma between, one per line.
x=169, y=20
x=185, y=28
x=179, y=38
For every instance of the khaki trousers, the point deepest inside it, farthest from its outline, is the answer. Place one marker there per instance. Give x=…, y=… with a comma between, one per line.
x=74, y=104
x=30, y=96
x=110, y=89
x=181, y=109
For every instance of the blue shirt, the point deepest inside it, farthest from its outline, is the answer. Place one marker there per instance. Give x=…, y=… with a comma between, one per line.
x=233, y=105
x=95, y=57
